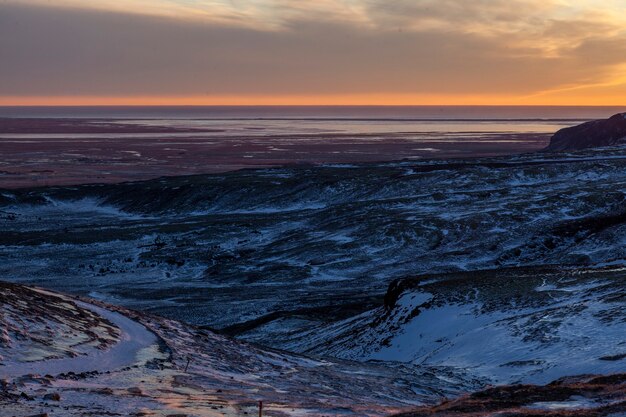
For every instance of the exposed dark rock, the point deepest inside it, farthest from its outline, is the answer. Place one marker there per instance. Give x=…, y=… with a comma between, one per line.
x=598, y=396
x=53, y=396
x=26, y=396
x=592, y=134
x=613, y=357
x=396, y=288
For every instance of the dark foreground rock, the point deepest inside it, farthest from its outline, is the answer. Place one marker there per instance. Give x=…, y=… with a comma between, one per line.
x=575, y=396
x=592, y=134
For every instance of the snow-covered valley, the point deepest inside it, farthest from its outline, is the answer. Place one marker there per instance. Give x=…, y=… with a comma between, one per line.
x=358, y=289
x=294, y=247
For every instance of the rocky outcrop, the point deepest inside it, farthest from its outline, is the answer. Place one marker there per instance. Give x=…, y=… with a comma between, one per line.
x=583, y=396
x=592, y=134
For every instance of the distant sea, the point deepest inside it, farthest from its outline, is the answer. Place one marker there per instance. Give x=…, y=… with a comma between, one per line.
x=348, y=119
x=227, y=138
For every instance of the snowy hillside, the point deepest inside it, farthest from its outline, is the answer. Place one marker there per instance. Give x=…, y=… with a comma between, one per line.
x=507, y=326
x=146, y=365
x=75, y=358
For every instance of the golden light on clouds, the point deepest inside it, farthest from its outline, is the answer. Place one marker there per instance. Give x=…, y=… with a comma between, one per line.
x=313, y=52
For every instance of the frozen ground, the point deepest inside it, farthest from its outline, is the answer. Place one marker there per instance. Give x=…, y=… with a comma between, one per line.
x=155, y=366
x=132, y=340
x=384, y=286
x=520, y=325
x=291, y=248
x=150, y=366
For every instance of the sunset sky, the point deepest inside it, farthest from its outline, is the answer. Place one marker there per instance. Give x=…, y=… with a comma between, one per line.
x=313, y=52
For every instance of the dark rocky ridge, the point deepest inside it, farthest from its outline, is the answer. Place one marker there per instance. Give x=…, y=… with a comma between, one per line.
x=596, y=133
x=601, y=396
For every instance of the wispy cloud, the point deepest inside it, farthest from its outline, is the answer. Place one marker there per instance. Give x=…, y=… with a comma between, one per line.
x=513, y=48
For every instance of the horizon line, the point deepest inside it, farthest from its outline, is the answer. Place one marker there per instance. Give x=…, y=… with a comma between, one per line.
x=307, y=100
x=308, y=105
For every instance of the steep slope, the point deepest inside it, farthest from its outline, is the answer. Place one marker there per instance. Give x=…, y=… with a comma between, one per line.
x=530, y=325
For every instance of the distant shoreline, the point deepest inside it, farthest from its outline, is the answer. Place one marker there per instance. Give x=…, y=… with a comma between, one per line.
x=64, y=152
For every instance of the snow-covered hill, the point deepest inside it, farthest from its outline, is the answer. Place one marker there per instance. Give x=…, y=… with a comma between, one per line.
x=68, y=357
x=529, y=325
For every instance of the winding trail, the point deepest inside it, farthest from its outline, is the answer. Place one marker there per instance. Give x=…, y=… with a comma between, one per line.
x=134, y=339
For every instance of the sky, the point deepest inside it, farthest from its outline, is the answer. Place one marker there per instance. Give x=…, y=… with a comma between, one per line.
x=378, y=52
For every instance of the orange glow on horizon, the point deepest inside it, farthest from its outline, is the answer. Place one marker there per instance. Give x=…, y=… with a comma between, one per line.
x=338, y=100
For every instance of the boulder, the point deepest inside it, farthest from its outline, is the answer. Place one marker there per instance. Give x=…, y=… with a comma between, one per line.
x=53, y=396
